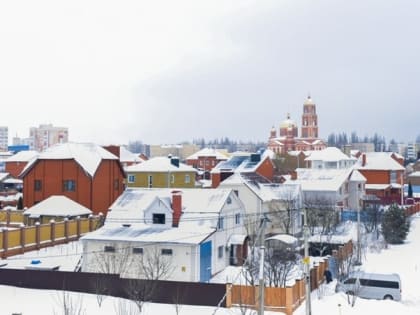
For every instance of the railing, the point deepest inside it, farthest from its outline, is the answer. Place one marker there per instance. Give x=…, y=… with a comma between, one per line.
x=27, y=238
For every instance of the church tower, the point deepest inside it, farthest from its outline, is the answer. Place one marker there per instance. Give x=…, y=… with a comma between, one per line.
x=309, y=119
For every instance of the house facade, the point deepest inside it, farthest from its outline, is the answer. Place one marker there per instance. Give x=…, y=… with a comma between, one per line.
x=196, y=232
x=15, y=164
x=246, y=163
x=384, y=173
x=83, y=172
x=205, y=160
x=161, y=172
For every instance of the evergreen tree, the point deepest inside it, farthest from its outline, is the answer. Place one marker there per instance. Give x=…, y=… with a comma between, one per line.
x=395, y=225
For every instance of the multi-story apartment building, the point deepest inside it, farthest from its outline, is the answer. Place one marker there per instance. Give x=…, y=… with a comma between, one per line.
x=44, y=136
x=4, y=138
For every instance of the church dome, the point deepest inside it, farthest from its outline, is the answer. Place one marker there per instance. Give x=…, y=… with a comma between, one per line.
x=309, y=101
x=288, y=123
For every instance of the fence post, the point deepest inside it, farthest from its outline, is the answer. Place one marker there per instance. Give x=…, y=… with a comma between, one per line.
x=289, y=300
x=66, y=229
x=228, y=295
x=78, y=221
x=90, y=223
x=38, y=234
x=52, y=231
x=22, y=238
x=8, y=217
x=5, y=235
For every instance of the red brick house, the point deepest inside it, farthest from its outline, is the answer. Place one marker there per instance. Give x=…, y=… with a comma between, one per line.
x=260, y=164
x=15, y=164
x=205, y=160
x=83, y=172
x=384, y=175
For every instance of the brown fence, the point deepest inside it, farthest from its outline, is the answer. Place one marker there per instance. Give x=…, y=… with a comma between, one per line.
x=285, y=300
x=27, y=238
x=171, y=292
x=413, y=209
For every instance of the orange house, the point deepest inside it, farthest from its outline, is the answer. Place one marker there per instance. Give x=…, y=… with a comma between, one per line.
x=15, y=164
x=384, y=175
x=83, y=172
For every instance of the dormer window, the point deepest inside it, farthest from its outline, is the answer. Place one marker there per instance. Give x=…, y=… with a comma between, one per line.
x=158, y=218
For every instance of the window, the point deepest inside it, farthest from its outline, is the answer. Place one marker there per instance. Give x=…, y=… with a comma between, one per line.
x=220, y=251
x=131, y=178
x=137, y=250
x=109, y=249
x=237, y=218
x=69, y=185
x=150, y=181
x=37, y=185
x=229, y=200
x=187, y=179
x=166, y=251
x=220, y=223
x=158, y=218
x=393, y=175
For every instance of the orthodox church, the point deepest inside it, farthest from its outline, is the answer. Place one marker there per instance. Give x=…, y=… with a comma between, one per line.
x=288, y=139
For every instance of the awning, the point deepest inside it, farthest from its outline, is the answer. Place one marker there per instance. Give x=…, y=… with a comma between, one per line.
x=236, y=239
x=285, y=238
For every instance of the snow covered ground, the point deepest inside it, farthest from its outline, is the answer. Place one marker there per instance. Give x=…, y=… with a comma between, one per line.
x=402, y=259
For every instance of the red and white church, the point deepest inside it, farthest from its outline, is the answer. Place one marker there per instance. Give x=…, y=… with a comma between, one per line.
x=288, y=139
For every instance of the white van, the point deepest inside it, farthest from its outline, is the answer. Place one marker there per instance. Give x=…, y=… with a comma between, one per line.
x=372, y=285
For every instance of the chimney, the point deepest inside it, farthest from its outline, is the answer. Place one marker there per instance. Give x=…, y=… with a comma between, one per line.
x=176, y=207
x=175, y=161
x=363, y=159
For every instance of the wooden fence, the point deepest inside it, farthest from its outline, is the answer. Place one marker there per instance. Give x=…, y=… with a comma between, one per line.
x=26, y=238
x=284, y=300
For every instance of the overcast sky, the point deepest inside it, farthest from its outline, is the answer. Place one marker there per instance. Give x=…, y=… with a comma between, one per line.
x=169, y=71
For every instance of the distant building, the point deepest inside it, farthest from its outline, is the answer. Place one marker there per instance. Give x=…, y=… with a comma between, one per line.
x=411, y=151
x=288, y=140
x=205, y=160
x=45, y=136
x=4, y=138
x=363, y=147
x=180, y=150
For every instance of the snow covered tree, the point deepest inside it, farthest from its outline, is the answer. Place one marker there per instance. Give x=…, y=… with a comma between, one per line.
x=395, y=225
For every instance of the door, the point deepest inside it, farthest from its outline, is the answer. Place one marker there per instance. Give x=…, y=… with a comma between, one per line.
x=205, y=261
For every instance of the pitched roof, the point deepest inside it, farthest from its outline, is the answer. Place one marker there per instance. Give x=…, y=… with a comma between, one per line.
x=379, y=161
x=128, y=156
x=59, y=206
x=322, y=179
x=23, y=156
x=87, y=155
x=159, y=164
x=330, y=154
x=208, y=152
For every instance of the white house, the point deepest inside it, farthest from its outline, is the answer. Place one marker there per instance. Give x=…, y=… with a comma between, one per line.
x=200, y=232
x=278, y=202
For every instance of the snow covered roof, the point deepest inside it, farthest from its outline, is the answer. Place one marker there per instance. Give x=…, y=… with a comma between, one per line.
x=379, y=161
x=3, y=176
x=13, y=181
x=322, y=179
x=87, y=155
x=208, y=152
x=59, y=206
x=159, y=164
x=127, y=156
x=285, y=238
x=356, y=176
x=23, y=156
x=150, y=234
x=246, y=163
x=200, y=211
x=377, y=186
x=330, y=154
x=414, y=174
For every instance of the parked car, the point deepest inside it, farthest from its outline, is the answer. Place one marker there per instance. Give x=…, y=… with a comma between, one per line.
x=371, y=285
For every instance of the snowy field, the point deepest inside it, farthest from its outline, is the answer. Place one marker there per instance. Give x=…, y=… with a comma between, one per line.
x=401, y=259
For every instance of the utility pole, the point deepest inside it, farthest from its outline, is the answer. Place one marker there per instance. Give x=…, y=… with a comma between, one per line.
x=306, y=261
x=359, y=248
x=261, y=271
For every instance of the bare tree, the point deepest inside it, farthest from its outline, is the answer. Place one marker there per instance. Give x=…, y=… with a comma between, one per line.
x=150, y=267
x=113, y=260
x=125, y=307
x=321, y=214
x=70, y=304
x=280, y=260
